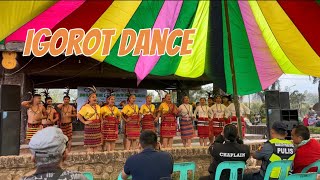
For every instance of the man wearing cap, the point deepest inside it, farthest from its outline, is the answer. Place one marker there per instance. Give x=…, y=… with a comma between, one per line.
x=48, y=148
x=276, y=149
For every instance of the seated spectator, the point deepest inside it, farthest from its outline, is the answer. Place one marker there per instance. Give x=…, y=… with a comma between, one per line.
x=227, y=147
x=48, y=148
x=276, y=149
x=150, y=164
x=308, y=150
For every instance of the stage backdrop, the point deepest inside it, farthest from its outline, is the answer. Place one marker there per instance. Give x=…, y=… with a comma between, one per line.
x=121, y=94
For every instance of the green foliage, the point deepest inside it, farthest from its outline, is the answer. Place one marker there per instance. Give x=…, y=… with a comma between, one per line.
x=314, y=130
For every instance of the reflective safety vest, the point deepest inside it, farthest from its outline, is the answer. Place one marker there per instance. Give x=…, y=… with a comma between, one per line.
x=282, y=150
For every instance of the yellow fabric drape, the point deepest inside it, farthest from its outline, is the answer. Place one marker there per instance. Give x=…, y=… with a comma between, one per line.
x=14, y=14
x=294, y=45
x=115, y=17
x=192, y=65
x=275, y=48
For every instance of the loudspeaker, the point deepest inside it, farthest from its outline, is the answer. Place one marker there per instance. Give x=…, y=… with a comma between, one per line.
x=272, y=99
x=284, y=100
x=10, y=98
x=289, y=117
x=273, y=115
x=10, y=132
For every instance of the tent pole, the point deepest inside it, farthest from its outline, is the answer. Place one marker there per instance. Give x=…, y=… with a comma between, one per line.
x=234, y=82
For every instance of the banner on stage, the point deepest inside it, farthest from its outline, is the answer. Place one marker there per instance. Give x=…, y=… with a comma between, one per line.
x=121, y=94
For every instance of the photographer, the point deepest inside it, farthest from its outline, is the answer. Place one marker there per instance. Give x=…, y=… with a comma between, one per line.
x=227, y=147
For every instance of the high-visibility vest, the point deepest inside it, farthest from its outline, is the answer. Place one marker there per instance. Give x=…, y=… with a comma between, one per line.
x=282, y=150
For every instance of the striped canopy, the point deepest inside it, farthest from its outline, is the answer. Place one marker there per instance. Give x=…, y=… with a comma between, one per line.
x=268, y=38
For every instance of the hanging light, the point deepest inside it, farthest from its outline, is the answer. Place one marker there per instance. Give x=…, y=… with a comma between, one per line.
x=9, y=59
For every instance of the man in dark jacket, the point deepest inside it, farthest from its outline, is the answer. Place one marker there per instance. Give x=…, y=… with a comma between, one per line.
x=227, y=147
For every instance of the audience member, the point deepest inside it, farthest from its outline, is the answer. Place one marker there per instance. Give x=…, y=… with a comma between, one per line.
x=308, y=150
x=150, y=164
x=48, y=147
x=227, y=147
x=276, y=149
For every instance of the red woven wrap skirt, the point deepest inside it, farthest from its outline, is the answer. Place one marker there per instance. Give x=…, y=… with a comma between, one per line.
x=203, y=127
x=32, y=129
x=133, y=128
x=148, y=122
x=67, y=129
x=92, y=134
x=110, y=128
x=47, y=125
x=186, y=126
x=217, y=125
x=168, y=126
x=233, y=120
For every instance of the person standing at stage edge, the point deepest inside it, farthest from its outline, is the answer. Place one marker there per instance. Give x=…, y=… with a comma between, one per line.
x=168, y=112
x=36, y=112
x=67, y=112
x=111, y=117
x=89, y=115
x=52, y=114
x=132, y=118
x=148, y=115
x=204, y=113
x=186, y=125
x=219, y=119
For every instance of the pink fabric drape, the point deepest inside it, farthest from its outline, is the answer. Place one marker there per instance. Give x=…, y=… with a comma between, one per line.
x=47, y=19
x=166, y=19
x=267, y=67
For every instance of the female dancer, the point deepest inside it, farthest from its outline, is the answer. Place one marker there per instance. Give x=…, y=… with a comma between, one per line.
x=244, y=111
x=111, y=117
x=219, y=118
x=148, y=115
x=89, y=115
x=204, y=113
x=168, y=112
x=132, y=118
x=186, y=126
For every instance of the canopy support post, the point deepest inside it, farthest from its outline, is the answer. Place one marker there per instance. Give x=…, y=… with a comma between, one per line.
x=234, y=82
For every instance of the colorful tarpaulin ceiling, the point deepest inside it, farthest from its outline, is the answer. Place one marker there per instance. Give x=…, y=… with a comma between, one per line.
x=268, y=38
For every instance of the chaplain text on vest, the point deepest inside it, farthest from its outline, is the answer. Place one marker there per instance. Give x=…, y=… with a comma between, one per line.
x=146, y=42
x=235, y=155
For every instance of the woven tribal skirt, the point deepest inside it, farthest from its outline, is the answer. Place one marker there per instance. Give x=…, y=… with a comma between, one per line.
x=148, y=122
x=233, y=120
x=203, y=127
x=67, y=129
x=217, y=126
x=92, y=134
x=168, y=126
x=110, y=128
x=186, y=127
x=133, y=128
x=47, y=125
x=32, y=129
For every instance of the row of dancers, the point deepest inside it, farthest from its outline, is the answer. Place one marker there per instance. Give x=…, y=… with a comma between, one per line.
x=101, y=123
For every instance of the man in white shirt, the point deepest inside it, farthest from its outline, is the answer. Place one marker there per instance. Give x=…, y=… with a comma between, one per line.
x=205, y=114
x=219, y=119
x=244, y=111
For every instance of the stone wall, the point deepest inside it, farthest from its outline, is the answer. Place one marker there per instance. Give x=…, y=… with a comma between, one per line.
x=104, y=165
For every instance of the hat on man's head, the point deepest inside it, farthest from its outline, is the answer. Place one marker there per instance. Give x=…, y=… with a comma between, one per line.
x=279, y=126
x=47, y=142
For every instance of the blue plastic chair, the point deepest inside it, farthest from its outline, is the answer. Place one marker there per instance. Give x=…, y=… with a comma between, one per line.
x=302, y=176
x=315, y=164
x=88, y=175
x=184, y=167
x=284, y=165
x=233, y=166
x=120, y=178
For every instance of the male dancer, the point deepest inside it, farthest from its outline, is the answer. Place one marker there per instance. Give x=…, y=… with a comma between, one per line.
x=53, y=115
x=67, y=113
x=36, y=112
